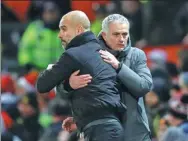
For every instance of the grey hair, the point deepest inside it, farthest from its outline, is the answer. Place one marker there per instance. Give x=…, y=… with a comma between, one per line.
x=113, y=18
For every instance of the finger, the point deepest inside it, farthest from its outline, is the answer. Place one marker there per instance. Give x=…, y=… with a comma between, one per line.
x=108, y=61
x=69, y=118
x=100, y=50
x=102, y=53
x=88, y=81
x=76, y=72
x=83, y=80
x=85, y=76
x=81, y=86
x=66, y=129
x=104, y=57
x=63, y=124
x=107, y=52
x=65, y=120
x=83, y=83
x=67, y=126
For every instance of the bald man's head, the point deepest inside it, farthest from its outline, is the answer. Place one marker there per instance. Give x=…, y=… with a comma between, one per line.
x=78, y=18
x=73, y=24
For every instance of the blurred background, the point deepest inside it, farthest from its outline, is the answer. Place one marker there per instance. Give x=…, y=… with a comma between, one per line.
x=29, y=42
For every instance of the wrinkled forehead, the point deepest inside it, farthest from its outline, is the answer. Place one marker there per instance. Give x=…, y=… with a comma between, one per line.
x=66, y=22
x=118, y=27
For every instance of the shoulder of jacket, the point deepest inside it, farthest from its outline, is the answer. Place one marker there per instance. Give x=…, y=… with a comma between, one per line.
x=136, y=56
x=138, y=53
x=69, y=51
x=73, y=51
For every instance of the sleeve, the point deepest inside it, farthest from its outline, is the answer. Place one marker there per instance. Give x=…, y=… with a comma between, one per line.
x=139, y=81
x=60, y=72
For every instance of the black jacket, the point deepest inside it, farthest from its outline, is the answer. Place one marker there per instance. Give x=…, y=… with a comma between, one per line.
x=100, y=99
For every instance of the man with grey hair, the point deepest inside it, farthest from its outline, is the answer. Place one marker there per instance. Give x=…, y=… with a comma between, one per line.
x=134, y=77
x=101, y=95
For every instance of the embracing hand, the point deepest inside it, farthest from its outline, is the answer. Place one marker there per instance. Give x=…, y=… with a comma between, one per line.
x=78, y=81
x=109, y=58
x=69, y=125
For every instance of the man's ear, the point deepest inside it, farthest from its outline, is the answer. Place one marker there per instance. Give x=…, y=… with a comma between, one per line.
x=80, y=29
x=104, y=35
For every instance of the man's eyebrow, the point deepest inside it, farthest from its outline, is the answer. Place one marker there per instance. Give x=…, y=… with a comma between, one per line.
x=62, y=26
x=125, y=32
x=116, y=33
x=120, y=33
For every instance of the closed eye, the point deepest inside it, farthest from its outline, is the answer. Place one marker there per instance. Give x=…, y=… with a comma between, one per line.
x=64, y=28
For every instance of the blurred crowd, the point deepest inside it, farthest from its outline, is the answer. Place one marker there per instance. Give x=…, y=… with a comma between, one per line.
x=167, y=103
x=29, y=116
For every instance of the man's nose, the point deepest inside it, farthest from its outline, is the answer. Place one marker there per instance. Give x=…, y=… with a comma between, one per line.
x=121, y=39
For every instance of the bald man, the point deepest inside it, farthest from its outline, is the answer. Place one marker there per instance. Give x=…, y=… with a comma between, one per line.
x=97, y=107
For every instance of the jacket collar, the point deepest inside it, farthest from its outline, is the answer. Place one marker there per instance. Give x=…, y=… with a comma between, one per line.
x=81, y=39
